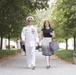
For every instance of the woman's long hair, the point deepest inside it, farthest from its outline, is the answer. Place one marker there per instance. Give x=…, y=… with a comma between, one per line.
x=45, y=22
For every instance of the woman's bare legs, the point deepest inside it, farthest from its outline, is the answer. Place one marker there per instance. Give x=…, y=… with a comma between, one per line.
x=47, y=61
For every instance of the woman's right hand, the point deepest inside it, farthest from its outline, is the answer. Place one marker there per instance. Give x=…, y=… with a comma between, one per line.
x=53, y=34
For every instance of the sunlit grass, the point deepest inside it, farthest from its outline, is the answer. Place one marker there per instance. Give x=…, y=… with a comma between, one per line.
x=65, y=54
x=5, y=53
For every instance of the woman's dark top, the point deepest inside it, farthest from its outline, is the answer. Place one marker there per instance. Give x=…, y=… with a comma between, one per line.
x=46, y=32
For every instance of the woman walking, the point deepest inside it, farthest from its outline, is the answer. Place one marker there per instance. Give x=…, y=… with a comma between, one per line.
x=47, y=34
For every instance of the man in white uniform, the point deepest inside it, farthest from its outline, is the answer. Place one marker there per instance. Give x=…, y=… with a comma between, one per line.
x=29, y=36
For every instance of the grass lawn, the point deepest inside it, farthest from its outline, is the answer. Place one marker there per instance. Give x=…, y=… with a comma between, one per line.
x=65, y=54
x=5, y=53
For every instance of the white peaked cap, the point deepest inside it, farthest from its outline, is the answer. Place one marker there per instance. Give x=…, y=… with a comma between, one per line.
x=30, y=17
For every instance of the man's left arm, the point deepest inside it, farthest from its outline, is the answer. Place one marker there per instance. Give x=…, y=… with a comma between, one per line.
x=36, y=36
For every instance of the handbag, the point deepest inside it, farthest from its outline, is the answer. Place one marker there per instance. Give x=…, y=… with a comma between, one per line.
x=54, y=45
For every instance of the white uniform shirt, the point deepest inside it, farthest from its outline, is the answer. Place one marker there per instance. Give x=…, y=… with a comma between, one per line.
x=29, y=34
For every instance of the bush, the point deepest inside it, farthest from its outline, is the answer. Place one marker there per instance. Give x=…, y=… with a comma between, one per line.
x=5, y=53
x=65, y=54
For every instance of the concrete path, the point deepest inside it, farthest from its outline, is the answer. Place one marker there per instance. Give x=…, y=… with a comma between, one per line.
x=17, y=66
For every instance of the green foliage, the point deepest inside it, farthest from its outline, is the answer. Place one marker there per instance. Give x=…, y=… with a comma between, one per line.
x=63, y=18
x=13, y=14
x=40, y=16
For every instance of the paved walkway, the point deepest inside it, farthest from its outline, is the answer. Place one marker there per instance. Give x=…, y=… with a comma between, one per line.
x=17, y=66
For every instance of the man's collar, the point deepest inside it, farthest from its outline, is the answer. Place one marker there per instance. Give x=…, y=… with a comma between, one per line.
x=30, y=25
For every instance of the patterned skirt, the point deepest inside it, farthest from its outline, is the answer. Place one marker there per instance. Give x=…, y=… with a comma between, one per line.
x=46, y=50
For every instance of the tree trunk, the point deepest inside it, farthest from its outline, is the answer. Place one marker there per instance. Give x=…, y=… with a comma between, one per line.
x=9, y=42
x=74, y=42
x=1, y=42
x=66, y=40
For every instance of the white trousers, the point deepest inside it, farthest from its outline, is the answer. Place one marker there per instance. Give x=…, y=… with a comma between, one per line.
x=30, y=56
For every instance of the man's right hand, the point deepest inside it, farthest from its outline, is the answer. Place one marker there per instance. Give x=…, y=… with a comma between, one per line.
x=38, y=43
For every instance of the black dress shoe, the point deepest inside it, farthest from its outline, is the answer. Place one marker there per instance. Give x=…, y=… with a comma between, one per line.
x=33, y=67
x=47, y=67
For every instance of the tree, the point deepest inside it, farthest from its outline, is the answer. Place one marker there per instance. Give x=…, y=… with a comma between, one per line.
x=13, y=13
x=64, y=16
x=63, y=19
